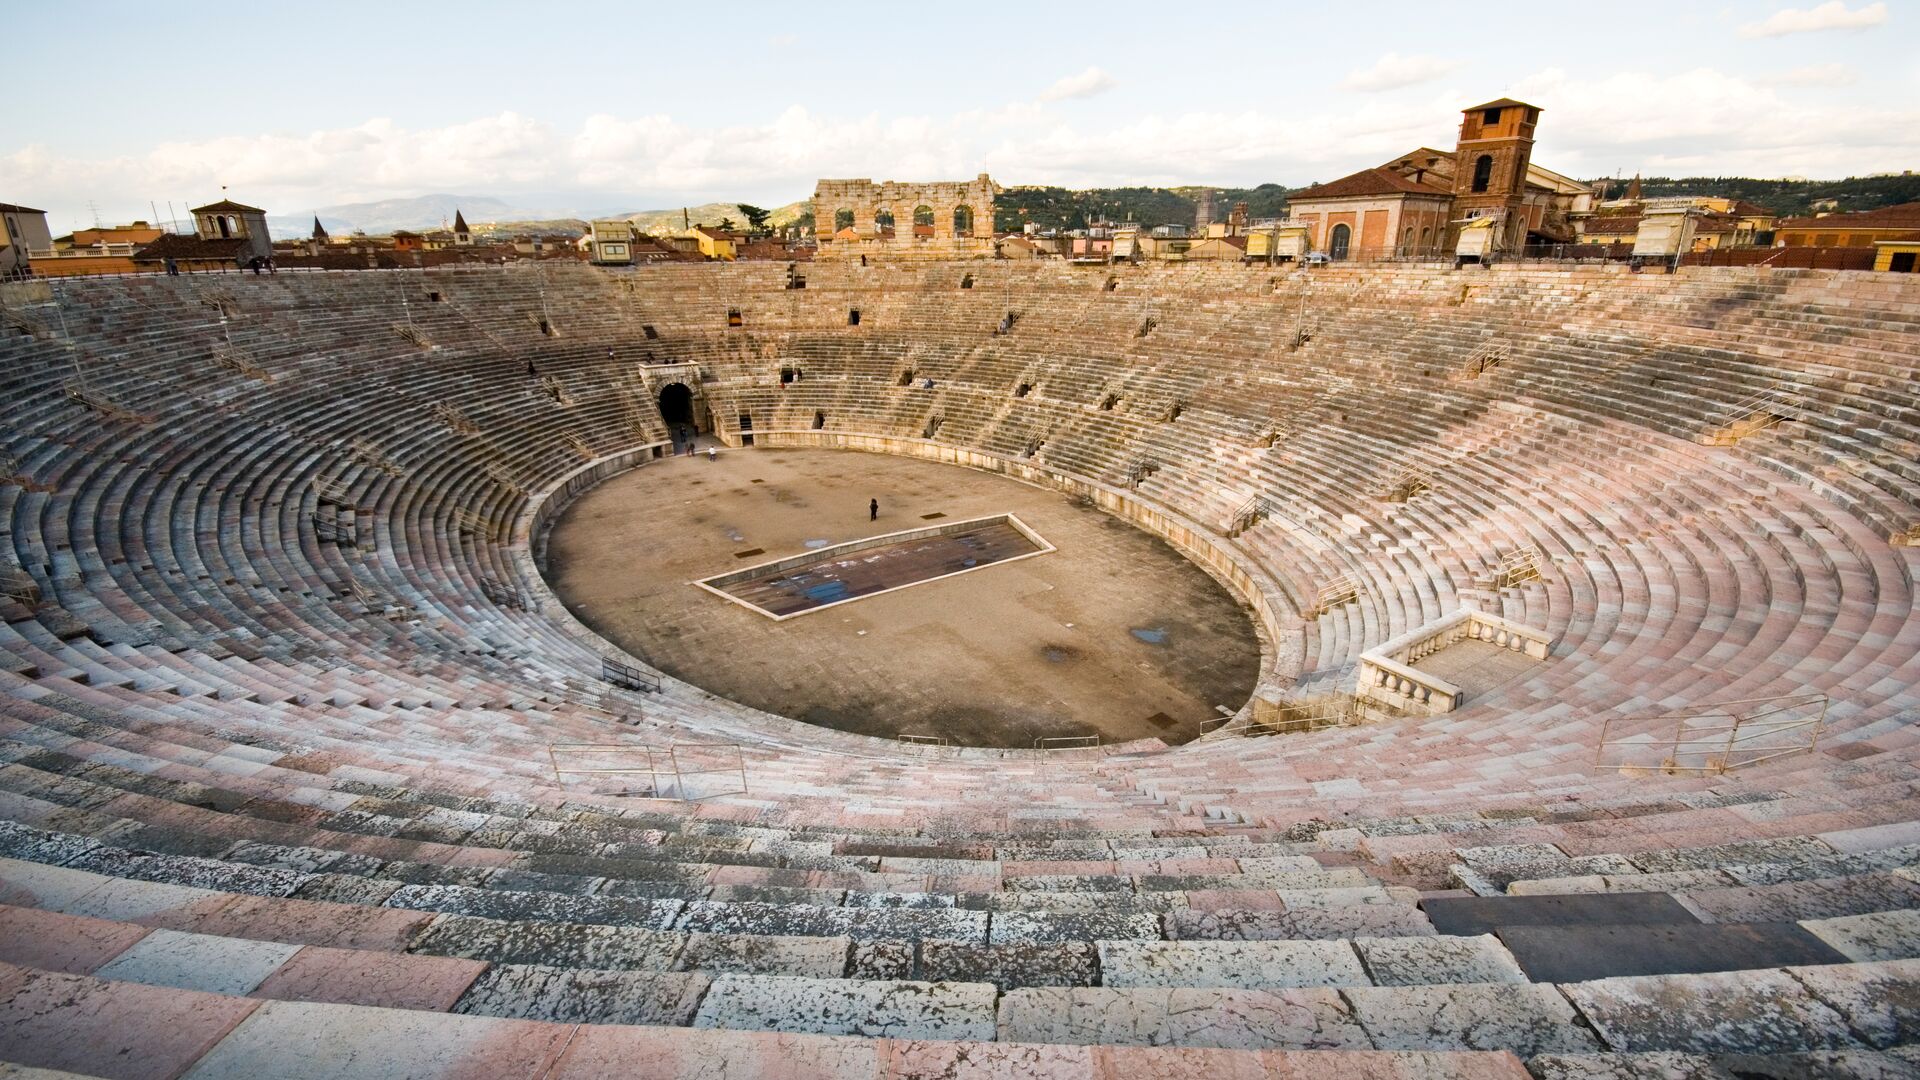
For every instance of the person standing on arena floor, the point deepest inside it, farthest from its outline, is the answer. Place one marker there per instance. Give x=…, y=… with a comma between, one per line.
x=873, y=509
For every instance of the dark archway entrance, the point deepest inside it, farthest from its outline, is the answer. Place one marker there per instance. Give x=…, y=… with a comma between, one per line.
x=676, y=405
x=1342, y=240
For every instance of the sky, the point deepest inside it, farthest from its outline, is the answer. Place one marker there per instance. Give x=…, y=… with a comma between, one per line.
x=603, y=107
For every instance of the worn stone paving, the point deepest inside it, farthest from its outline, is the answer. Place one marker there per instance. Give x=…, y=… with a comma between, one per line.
x=1039, y=647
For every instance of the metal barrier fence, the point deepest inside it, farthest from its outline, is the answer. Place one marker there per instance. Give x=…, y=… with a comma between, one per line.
x=675, y=760
x=1715, y=737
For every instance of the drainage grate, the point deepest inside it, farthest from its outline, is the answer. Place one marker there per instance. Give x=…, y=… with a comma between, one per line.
x=930, y=517
x=1161, y=720
x=749, y=553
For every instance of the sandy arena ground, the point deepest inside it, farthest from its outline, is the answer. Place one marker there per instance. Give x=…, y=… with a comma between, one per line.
x=1113, y=633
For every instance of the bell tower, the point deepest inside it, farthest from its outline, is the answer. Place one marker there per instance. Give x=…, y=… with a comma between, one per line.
x=1490, y=168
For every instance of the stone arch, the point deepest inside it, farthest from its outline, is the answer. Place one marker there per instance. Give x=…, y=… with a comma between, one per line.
x=843, y=218
x=963, y=220
x=883, y=221
x=923, y=218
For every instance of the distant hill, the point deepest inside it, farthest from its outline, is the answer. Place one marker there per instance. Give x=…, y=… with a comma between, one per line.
x=663, y=222
x=419, y=212
x=1048, y=207
x=1787, y=197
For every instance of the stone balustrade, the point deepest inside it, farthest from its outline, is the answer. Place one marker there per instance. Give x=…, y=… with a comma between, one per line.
x=1388, y=676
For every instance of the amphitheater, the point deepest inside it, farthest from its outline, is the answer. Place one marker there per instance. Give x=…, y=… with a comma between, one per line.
x=288, y=700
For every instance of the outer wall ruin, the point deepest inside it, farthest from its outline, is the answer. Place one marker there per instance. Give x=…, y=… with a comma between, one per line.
x=950, y=234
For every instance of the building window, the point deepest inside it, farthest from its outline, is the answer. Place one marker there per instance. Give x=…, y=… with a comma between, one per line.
x=1490, y=117
x=733, y=317
x=1902, y=262
x=1342, y=240
x=1482, y=171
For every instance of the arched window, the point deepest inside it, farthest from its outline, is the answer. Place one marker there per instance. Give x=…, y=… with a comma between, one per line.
x=883, y=220
x=1341, y=240
x=923, y=220
x=842, y=219
x=1406, y=242
x=1426, y=236
x=1482, y=172
x=963, y=220
x=225, y=231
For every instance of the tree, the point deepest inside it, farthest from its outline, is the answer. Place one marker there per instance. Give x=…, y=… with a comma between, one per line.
x=726, y=224
x=756, y=217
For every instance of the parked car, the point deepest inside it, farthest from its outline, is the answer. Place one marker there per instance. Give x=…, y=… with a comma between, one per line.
x=1314, y=258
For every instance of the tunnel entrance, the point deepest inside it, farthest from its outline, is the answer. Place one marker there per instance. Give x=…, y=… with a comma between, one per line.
x=676, y=405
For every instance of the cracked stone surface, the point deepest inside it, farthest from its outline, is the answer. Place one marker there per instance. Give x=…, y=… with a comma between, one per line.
x=1247, y=965
x=1009, y=966
x=880, y=960
x=564, y=944
x=906, y=1010
x=543, y=906
x=1805, y=899
x=1526, y=1019
x=814, y=957
x=1029, y=927
x=1884, y=935
x=1881, y=1001
x=1668, y=1065
x=1765, y=1012
x=189, y=871
x=572, y=996
x=1300, y=1019
x=1370, y=920
x=1423, y=961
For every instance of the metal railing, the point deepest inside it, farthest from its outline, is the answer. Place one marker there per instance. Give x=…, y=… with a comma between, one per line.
x=1517, y=568
x=1490, y=355
x=1250, y=513
x=925, y=740
x=1407, y=484
x=1287, y=717
x=676, y=760
x=1332, y=593
x=628, y=677
x=20, y=586
x=1755, y=413
x=1715, y=737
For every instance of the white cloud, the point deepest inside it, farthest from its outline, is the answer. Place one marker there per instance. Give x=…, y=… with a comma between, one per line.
x=1832, y=15
x=1088, y=83
x=1731, y=125
x=1393, y=71
x=1822, y=75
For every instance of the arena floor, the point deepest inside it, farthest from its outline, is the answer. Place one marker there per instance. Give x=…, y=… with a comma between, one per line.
x=1113, y=633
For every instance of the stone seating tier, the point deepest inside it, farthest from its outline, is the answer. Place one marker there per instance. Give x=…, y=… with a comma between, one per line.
x=241, y=761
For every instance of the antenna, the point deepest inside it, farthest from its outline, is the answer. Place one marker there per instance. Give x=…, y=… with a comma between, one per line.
x=94, y=209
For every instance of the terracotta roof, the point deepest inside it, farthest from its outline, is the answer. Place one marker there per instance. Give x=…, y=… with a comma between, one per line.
x=1374, y=181
x=9, y=208
x=1501, y=103
x=228, y=204
x=1905, y=215
x=1747, y=209
x=191, y=247
x=1613, y=225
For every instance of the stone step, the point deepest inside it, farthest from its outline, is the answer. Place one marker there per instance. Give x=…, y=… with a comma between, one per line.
x=1580, y=953
x=1486, y=914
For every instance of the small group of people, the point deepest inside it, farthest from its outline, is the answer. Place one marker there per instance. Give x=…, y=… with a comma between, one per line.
x=258, y=261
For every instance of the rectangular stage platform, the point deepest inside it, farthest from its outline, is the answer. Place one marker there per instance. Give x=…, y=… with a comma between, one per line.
x=799, y=584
